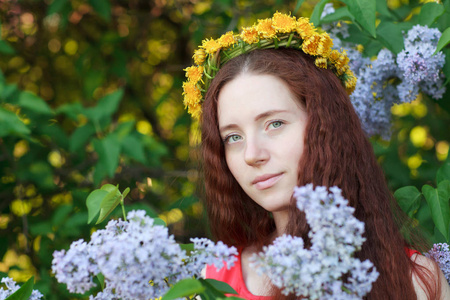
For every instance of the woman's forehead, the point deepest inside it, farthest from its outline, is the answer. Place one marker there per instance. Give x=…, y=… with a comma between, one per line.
x=251, y=95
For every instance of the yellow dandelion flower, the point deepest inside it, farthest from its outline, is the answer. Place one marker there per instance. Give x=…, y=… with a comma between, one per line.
x=310, y=45
x=325, y=45
x=192, y=94
x=321, y=62
x=304, y=28
x=250, y=35
x=340, y=60
x=195, y=110
x=334, y=56
x=199, y=56
x=266, y=29
x=227, y=39
x=350, y=81
x=360, y=48
x=211, y=46
x=194, y=73
x=283, y=23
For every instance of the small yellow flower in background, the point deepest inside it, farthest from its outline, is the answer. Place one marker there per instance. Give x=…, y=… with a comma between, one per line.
x=283, y=23
x=321, y=62
x=194, y=73
x=304, y=28
x=199, y=56
x=227, y=39
x=266, y=29
x=360, y=48
x=211, y=46
x=311, y=45
x=250, y=35
x=325, y=45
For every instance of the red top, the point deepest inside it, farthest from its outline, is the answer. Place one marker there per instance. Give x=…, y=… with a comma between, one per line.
x=234, y=278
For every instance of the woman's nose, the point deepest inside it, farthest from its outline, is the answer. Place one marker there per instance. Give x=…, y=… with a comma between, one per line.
x=256, y=152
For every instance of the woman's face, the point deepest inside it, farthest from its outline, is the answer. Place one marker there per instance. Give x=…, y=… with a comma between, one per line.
x=262, y=127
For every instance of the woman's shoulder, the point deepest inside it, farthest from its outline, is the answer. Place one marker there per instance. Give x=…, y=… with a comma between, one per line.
x=436, y=273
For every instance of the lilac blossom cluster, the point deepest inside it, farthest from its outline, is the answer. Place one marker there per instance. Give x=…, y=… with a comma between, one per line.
x=440, y=253
x=419, y=68
x=318, y=272
x=138, y=260
x=390, y=79
x=12, y=287
x=207, y=253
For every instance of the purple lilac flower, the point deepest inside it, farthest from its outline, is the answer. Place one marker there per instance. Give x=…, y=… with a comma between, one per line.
x=415, y=69
x=11, y=287
x=131, y=254
x=76, y=267
x=316, y=273
x=207, y=253
x=419, y=67
x=441, y=254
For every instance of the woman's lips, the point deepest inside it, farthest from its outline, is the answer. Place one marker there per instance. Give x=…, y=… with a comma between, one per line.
x=266, y=181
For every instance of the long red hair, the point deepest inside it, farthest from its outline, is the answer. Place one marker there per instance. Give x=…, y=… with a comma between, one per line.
x=336, y=153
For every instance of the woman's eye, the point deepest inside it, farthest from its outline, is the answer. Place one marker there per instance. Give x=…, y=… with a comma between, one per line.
x=232, y=139
x=275, y=124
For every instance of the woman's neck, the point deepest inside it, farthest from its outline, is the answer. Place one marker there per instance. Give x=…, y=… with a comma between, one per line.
x=281, y=219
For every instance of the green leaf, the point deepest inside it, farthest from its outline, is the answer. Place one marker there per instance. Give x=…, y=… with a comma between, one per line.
x=34, y=103
x=443, y=41
x=317, y=12
x=11, y=124
x=341, y=13
x=72, y=110
x=5, y=48
x=187, y=247
x=438, y=201
x=93, y=202
x=103, y=8
x=61, y=214
x=101, y=279
x=111, y=200
x=106, y=106
x=391, y=36
x=408, y=198
x=159, y=222
x=383, y=9
x=184, y=203
x=125, y=192
x=133, y=147
x=80, y=137
x=221, y=286
x=444, y=171
x=57, y=6
x=430, y=12
x=297, y=6
x=24, y=292
x=364, y=12
x=108, y=150
x=184, y=288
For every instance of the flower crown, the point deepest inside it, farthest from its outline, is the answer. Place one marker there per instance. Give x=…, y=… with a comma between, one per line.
x=279, y=31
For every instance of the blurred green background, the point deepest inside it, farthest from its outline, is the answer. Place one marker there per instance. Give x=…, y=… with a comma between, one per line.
x=90, y=93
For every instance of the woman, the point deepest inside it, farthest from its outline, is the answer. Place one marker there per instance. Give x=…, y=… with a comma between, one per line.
x=273, y=119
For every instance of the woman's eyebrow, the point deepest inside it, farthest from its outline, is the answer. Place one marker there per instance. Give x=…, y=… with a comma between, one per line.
x=258, y=117
x=270, y=113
